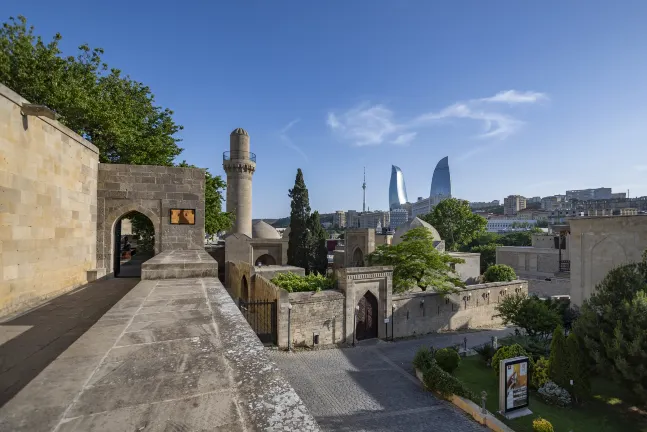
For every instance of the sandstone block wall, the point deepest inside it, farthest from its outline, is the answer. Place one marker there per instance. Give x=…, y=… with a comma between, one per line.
x=319, y=313
x=547, y=288
x=48, y=207
x=152, y=191
x=529, y=261
x=422, y=312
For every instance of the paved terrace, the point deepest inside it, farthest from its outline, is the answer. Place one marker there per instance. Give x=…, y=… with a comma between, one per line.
x=172, y=354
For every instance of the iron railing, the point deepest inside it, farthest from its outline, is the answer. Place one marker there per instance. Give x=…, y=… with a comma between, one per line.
x=262, y=318
x=565, y=266
x=238, y=155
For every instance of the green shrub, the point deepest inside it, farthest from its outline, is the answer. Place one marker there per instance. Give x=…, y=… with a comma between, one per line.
x=423, y=359
x=499, y=273
x=532, y=314
x=542, y=425
x=506, y=352
x=558, y=366
x=292, y=282
x=578, y=368
x=536, y=346
x=539, y=375
x=448, y=359
x=486, y=352
x=445, y=383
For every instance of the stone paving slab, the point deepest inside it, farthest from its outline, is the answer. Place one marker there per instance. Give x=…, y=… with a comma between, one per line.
x=190, y=363
x=180, y=264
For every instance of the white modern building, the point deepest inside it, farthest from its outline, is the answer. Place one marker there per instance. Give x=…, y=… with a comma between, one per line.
x=508, y=225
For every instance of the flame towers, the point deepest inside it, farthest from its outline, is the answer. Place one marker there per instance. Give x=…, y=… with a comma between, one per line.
x=441, y=185
x=397, y=189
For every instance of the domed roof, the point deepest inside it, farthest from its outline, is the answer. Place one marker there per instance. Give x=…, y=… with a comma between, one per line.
x=415, y=223
x=239, y=131
x=263, y=230
x=286, y=233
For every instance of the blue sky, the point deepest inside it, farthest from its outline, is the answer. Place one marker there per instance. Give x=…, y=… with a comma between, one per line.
x=528, y=98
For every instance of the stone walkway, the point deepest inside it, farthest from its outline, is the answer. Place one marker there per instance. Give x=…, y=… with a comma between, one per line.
x=30, y=342
x=171, y=355
x=373, y=387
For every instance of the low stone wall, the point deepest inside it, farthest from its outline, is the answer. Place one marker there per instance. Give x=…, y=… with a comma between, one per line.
x=313, y=313
x=547, y=288
x=423, y=312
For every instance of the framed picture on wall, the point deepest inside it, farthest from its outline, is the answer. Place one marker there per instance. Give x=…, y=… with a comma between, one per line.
x=182, y=216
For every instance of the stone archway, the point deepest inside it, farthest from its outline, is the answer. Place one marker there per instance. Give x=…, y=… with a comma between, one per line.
x=358, y=257
x=244, y=289
x=265, y=260
x=132, y=249
x=366, y=325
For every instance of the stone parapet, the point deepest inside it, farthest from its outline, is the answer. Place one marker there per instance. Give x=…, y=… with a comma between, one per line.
x=180, y=264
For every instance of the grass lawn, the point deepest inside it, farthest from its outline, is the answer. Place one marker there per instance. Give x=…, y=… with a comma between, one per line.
x=604, y=413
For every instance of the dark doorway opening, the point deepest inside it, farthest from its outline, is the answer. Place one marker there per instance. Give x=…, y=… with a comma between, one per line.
x=265, y=260
x=134, y=243
x=244, y=289
x=358, y=258
x=366, y=327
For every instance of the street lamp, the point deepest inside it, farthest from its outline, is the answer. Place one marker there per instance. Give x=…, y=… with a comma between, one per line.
x=392, y=321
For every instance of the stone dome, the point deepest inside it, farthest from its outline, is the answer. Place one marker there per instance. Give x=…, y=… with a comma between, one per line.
x=286, y=233
x=415, y=223
x=263, y=230
x=239, y=131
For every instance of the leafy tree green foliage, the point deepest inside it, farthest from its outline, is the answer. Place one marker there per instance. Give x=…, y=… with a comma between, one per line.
x=292, y=282
x=529, y=313
x=540, y=376
x=416, y=263
x=113, y=111
x=455, y=222
x=499, y=273
x=578, y=368
x=143, y=228
x=448, y=359
x=612, y=326
x=517, y=238
x=558, y=367
x=215, y=219
x=317, y=250
x=536, y=346
x=512, y=351
x=299, y=238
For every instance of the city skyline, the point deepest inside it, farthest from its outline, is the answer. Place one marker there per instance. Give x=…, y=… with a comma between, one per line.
x=517, y=85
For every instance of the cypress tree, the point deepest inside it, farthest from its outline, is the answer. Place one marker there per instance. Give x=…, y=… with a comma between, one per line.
x=558, y=367
x=578, y=368
x=318, y=256
x=298, y=242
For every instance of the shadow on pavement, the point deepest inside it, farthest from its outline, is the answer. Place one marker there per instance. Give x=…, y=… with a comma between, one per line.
x=30, y=342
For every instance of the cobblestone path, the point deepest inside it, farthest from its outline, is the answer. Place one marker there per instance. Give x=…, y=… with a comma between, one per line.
x=372, y=387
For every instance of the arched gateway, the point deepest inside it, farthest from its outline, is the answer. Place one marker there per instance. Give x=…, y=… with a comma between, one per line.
x=366, y=326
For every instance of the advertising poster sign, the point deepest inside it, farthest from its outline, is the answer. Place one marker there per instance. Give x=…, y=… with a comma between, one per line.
x=513, y=384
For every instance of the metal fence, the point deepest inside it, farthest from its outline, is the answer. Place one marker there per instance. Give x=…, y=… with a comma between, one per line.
x=262, y=317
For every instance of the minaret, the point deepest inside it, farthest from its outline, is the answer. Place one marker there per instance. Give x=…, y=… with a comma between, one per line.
x=364, y=188
x=239, y=164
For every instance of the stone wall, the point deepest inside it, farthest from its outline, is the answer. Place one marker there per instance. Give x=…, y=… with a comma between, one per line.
x=422, y=312
x=529, y=261
x=470, y=270
x=547, y=287
x=320, y=314
x=48, y=207
x=598, y=244
x=152, y=191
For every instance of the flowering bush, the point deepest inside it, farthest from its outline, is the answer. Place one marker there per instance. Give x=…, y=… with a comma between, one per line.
x=542, y=425
x=553, y=394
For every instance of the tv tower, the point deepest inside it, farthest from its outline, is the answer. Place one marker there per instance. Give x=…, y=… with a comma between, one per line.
x=364, y=189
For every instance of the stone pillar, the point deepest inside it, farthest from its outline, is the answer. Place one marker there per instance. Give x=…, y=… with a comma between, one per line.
x=239, y=164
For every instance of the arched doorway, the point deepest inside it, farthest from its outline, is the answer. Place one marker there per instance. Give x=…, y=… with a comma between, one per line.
x=133, y=242
x=358, y=258
x=265, y=260
x=366, y=326
x=244, y=289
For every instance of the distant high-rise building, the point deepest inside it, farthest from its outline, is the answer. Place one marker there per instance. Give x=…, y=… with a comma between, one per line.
x=372, y=219
x=399, y=217
x=441, y=185
x=421, y=207
x=340, y=219
x=588, y=194
x=534, y=200
x=512, y=204
x=397, y=189
x=352, y=219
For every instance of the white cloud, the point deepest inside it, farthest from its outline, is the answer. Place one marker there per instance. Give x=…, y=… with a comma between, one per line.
x=404, y=139
x=375, y=124
x=287, y=141
x=516, y=97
